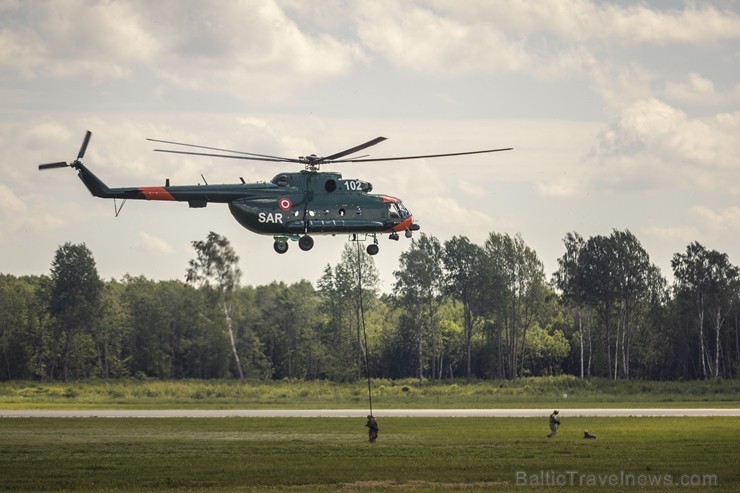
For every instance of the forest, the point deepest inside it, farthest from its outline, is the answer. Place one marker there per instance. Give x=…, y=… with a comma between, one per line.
x=457, y=310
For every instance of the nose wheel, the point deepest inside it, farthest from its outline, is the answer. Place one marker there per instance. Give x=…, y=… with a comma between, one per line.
x=281, y=243
x=280, y=246
x=372, y=249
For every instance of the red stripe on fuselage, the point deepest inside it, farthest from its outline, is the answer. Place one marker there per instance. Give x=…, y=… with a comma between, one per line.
x=156, y=193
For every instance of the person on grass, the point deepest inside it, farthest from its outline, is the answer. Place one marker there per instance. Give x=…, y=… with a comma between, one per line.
x=372, y=428
x=554, y=423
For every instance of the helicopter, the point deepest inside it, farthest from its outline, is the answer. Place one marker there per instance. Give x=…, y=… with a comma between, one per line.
x=292, y=206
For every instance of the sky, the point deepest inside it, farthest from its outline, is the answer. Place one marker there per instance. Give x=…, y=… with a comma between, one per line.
x=622, y=115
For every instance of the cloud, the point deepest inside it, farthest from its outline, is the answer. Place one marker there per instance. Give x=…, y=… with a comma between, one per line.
x=419, y=38
x=720, y=226
x=72, y=38
x=641, y=25
x=723, y=221
x=16, y=216
x=697, y=89
x=264, y=51
x=585, y=21
x=561, y=186
x=10, y=203
x=656, y=142
x=44, y=133
x=555, y=37
x=250, y=50
x=672, y=234
x=153, y=244
x=471, y=189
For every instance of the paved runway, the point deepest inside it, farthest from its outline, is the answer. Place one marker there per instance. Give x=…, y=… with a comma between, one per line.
x=358, y=413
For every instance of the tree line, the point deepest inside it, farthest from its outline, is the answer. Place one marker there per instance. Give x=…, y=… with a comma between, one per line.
x=457, y=310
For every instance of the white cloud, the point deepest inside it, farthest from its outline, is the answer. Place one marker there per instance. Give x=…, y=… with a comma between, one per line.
x=655, y=142
x=416, y=37
x=473, y=189
x=73, y=37
x=562, y=186
x=250, y=49
x=154, y=244
x=10, y=203
x=44, y=133
x=697, y=89
x=725, y=221
x=17, y=217
x=586, y=21
x=673, y=234
x=640, y=24
x=554, y=37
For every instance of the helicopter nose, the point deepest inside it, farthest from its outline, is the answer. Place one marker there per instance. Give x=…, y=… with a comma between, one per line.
x=406, y=225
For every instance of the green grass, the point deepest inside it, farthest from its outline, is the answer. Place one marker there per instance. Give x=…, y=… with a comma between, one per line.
x=314, y=454
x=563, y=391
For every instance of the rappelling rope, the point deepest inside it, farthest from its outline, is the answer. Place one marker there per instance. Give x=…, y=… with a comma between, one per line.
x=364, y=331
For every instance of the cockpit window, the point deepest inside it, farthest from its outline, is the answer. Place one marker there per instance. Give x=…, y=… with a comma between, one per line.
x=398, y=210
x=281, y=180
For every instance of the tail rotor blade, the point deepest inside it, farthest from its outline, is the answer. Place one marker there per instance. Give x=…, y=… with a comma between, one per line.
x=60, y=164
x=83, y=148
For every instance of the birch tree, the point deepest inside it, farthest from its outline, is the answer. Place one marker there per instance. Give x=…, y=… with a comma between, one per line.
x=419, y=286
x=566, y=280
x=522, y=292
x=463, y=262
x=710, y=280
x=216, y=269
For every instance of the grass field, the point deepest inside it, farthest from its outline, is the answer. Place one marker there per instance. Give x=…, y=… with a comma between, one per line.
x=562, y=391
x=330, y=454
x=412, y=454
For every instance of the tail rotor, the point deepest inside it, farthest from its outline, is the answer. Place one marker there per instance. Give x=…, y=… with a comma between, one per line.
x=76, y=162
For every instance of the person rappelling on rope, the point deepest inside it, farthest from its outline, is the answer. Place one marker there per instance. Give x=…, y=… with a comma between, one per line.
x=372, y=428
x=372, y=424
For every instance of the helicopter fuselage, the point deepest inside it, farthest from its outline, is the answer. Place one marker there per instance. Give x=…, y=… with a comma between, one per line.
x=320, y=203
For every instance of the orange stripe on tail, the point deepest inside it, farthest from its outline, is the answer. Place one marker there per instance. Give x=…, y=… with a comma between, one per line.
x=156, y=193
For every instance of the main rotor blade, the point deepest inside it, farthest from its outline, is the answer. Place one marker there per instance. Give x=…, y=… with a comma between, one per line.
x=360, y=147
x=83, y=148
x=276, y=158
x=419, y=157
x=60, y=164
x=250, y=157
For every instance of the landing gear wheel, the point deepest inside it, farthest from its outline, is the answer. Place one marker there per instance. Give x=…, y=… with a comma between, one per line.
x=305, y=243
x=280, y=246
x=372, y=249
